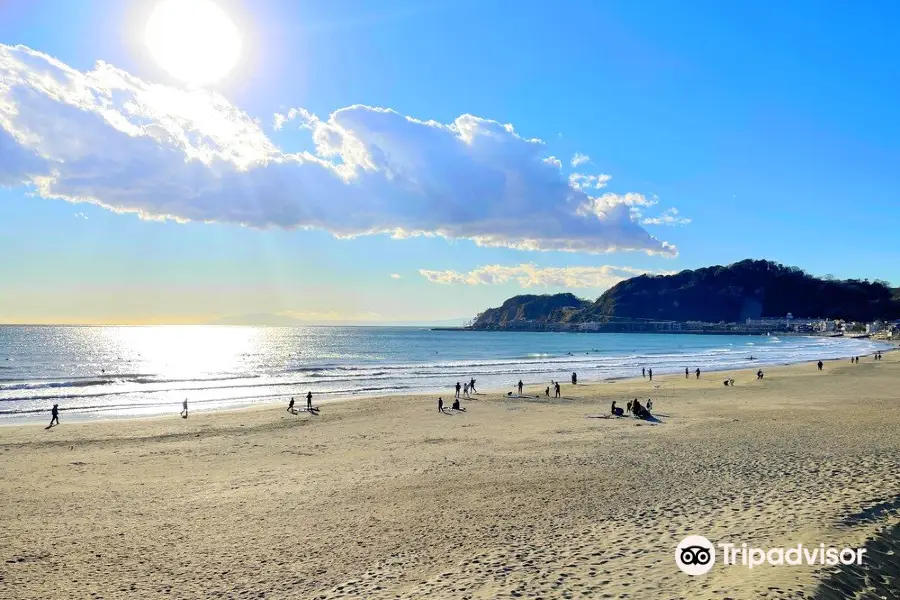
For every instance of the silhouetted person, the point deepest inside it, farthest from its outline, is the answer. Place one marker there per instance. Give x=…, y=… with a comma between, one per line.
x=466, y=389
x=456, y=405
x=54, y=416
x=686, y=373
x=643, y=372
x=649, y=404
x=820, y=365
x=629, y=405
x=184, y=411
x=574, y=379
x=472, y=386
x=650, y=373
x=291, y=405
x=440, y=405
x=557, y=389
x=521, y=385
x=309, y=401
x=612, y=409
x=547, y=391
x=759, y=374
x=697, y=372
x=457, y=389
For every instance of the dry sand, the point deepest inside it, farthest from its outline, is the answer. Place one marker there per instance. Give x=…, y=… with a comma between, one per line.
x=515, y=498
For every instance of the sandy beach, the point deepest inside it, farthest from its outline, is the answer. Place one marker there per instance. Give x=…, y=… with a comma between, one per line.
x=513, y=498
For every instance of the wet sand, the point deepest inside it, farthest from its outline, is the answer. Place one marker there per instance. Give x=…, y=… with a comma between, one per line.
x=514, y=498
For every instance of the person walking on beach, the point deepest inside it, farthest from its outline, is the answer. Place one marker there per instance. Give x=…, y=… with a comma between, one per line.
x=547, y=391
x=184, y=411
x=54, y=416
x=291, y=405
x=472, y=386
x=557, y=389
x=457, y=389
x=309, y=401
x=440, y=405
x=574, y=379
x=686, y=373
x=697, y=372
x=650, y=373
x=520, y=387
x=820, y=365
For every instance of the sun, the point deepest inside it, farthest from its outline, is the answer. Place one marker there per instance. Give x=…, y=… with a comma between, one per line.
x=194, y=40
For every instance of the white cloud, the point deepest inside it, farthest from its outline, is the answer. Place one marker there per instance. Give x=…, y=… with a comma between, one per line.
x=552, y=160
x=667, y=217
x=395, y=276
x=111, y=139
x=530, y=275
x=580, y=159
x=580, y=181
x=80, y=215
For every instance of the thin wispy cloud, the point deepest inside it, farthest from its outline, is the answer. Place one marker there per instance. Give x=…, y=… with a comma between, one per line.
x=529, y=275
x=669, y=216
x=580, y=159
x=395, y=275
x=111, y=139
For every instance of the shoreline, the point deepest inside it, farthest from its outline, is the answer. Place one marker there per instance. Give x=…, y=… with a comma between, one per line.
x=79, y=419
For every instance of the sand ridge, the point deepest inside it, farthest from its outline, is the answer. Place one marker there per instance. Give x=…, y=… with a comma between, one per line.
x=514, y=498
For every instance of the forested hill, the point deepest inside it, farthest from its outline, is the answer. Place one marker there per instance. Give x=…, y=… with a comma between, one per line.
x=529, y=307
x=733, y=293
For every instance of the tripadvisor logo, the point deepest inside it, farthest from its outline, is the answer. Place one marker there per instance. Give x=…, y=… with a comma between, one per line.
x=696, y=555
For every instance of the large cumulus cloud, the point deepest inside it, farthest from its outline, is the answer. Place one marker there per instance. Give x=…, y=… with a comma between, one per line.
x=112, y=139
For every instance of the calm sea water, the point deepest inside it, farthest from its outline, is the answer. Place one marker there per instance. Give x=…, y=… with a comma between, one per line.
x=101, y=372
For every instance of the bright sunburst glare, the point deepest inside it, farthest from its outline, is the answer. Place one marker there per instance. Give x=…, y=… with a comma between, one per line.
x=194, y=40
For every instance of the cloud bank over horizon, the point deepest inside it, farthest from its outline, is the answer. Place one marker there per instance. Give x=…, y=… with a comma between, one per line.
x=111, y=139
x=529, y=275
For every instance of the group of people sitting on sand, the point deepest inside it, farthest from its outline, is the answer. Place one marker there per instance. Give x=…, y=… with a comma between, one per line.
x=455, y=405
x=634, y=407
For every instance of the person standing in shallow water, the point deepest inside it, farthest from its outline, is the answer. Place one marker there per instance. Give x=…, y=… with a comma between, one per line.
x=643, y=371
x=574, y=379
x=54, y=415
x=650, y=373
x=686, y=373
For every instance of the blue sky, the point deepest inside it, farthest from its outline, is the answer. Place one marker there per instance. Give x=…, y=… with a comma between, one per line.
x=769, y=127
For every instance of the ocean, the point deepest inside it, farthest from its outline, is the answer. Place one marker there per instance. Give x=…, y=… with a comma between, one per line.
x=105, y=372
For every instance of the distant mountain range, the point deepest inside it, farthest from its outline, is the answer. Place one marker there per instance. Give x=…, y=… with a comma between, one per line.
x=747, y=289
x=277, y=320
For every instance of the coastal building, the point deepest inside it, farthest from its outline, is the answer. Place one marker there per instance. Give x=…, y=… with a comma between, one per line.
x=874, y=327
